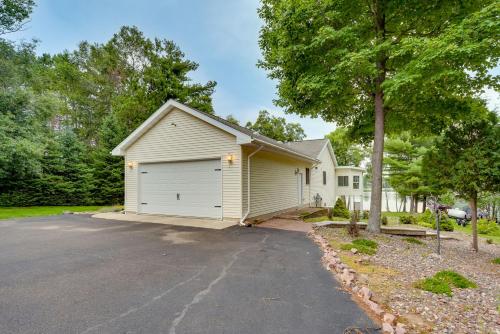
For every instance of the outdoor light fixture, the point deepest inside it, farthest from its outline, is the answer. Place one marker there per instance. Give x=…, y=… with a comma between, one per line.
x=130, y=164
x=297, y=171
x=230, y=158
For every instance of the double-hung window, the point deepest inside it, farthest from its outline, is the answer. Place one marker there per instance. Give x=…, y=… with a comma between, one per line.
x=343, y=181
x=355, y=182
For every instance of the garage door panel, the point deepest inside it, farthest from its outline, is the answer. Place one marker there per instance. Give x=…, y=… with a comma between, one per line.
x=198, y=184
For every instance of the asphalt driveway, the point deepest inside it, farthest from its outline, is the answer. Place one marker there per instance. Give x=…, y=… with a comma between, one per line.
x=76, y=274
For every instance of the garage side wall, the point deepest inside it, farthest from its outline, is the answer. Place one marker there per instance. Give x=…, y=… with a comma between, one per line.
x=273, y=183
x=182, y=137
x=327, y=192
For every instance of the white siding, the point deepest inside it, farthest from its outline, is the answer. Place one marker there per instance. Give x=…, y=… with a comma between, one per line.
x=351, y=195
x=182, y=137
x=327, y=192
x=273, y=182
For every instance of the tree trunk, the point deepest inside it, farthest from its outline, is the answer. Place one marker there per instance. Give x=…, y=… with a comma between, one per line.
x=387, y=202
x=404, y=204
x=378, y=140
x=473, y=207
x=412, y=202
x=424, y=204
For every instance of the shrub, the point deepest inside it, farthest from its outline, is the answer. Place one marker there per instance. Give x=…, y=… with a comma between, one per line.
x=384, y=220
x=489, y=241
x=496, y=260
x=434, y=285
x=446, y=224
x=366, y=214
x=412, y=240
x=487, y=227
x=364, y=246
x=340, y=210
x=427, y=219
x=407, y=219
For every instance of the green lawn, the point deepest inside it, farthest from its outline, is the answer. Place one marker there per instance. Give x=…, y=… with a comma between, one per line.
x=35, y=211
x=468, y=230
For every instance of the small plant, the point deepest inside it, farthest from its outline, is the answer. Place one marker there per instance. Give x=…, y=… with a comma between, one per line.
x=363, y=246
x=384, y=220
x=366, y=214
x=489, y=241
x=340, y=210
x=496, y=260
x=412, y=240
x=434, y=285
x=487, y=227
x=442, y=282
x=407, y=219
x=445, y=224
x=353, y=228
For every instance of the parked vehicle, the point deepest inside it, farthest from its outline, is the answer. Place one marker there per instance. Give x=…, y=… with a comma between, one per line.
x=460, y=216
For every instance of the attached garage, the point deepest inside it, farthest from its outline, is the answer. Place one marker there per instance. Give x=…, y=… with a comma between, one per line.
x=186, y=188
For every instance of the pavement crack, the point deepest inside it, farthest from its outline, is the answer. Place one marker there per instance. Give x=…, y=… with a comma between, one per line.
x=152, y=300
x=201, y=295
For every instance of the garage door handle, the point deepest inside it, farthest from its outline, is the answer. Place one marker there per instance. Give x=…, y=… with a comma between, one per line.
x=144, y=203
x=178, y=196
x=217, y=206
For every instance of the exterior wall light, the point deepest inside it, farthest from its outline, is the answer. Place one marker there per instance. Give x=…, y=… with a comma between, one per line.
x=130, y=164
x=230, y=158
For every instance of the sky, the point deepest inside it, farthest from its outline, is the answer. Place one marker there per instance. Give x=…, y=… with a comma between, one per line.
x=220, y=35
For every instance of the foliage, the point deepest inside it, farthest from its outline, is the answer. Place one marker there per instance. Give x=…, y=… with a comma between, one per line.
x=445, y=224
x=13, y=14
x=496, y=260
x=340, y=210
x=346, y=151
x=487, y=227
x=361, y=249
x=442, y=282
x=466, y=158
x=412, y=240
x=407, y=219
x=427, y=218
x=379, y=66
x=366, y=214
x=61, y=115
x=276, y=127
x=366, y=243
x=232, y=119
x=384, y=220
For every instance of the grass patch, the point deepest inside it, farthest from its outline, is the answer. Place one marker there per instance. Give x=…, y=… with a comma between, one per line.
x=412, y=240
x=496, y=260
x=434, y=285
x=468, y=230
x=363, y=246
x=38, y=211
x=442, y=282
x=325, y=218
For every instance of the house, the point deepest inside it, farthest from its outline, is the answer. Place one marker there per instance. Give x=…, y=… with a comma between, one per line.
x=185, y=162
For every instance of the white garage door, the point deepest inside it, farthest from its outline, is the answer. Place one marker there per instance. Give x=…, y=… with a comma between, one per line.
x=190, y=188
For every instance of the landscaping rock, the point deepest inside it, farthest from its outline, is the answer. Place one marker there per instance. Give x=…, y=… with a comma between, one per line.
x=365, y=293
x=387, y=328
x=400, y=328
x=389, y=318
x=354, y=250
x=374, y=307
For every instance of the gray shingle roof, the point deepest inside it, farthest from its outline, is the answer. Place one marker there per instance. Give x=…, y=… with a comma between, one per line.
x=310, y=147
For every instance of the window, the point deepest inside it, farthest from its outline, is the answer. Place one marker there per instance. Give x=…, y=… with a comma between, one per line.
x=343, y=181
x=355, y=182
x=308, y=175
x=324, y=177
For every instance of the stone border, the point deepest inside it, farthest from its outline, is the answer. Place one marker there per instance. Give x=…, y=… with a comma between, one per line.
x=348, y=278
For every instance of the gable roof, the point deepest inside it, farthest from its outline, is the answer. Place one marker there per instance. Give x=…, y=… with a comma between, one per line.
x=311, y=147
x=243, y=135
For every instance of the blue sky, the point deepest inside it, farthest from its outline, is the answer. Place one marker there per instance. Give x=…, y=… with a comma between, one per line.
x=220, y=35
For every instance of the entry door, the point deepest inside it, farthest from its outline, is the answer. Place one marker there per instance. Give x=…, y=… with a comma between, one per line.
x=189, y=188
x=300, y=188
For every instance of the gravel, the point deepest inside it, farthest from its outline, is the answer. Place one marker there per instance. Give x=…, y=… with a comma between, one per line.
x=467, y=311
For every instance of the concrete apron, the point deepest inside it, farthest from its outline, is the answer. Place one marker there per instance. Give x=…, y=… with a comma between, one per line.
x=214, y=224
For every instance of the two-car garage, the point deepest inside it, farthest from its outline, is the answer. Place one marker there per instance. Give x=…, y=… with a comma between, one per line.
x=185, y=188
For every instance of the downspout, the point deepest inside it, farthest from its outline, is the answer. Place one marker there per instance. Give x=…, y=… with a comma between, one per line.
x=242, y=221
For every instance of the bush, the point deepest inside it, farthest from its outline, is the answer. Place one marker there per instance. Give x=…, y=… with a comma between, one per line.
x=427, y=219
x=340, y=210
x=366, y=214
x=446, y=224
x=366, y=243
x=407, y=219
x=487, y=227
x=384, y=220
